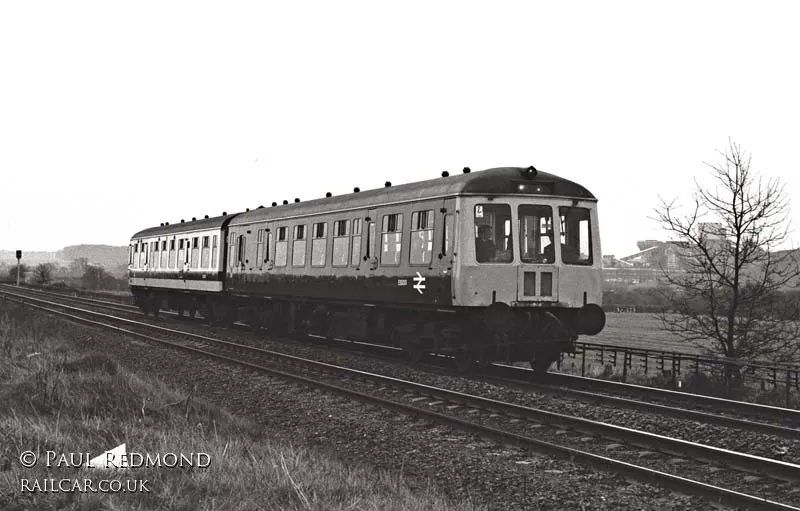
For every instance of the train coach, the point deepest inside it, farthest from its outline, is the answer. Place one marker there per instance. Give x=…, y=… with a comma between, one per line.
x=498, y=265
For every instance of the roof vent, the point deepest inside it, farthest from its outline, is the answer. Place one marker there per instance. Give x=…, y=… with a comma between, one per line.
x=274, y=204
x=285, y=202
x=467, y=170
x=356, y=189
x=387, y=184
x=224, y=213
x=166, y=223
x=206, y=216
x=296, y=200
x=261, y=207
x=181, y=220
x=162, y=224
x=445, y=173
x=329, y=194
x=194, y=218
x=246, y=210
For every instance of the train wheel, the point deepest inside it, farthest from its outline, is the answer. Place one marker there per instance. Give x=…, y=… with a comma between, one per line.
x=414, y=350
x=465, y=360
x=207, y=313
x=540, y=365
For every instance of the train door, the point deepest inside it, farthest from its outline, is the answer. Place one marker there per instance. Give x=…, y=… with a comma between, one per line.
x=371, y=245
x=445, y=234
x=444, y=245
x=537, y=279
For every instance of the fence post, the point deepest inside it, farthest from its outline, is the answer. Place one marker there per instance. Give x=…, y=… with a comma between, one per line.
x=788, y=385
x=625, y=366
x=676, y=367
x=583, y=361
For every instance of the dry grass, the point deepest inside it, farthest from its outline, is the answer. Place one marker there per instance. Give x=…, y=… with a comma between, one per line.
x=639, y=330
x=53, y=398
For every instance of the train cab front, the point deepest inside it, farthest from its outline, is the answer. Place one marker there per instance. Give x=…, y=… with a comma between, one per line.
x=532, y=265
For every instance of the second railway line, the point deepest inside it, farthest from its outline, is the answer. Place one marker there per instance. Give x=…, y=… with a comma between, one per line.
x=436, y=398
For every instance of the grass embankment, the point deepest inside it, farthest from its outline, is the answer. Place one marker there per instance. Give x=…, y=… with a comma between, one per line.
x=53, y=397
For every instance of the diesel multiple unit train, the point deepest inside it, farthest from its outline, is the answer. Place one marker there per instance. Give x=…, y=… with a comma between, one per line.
x=497, y=265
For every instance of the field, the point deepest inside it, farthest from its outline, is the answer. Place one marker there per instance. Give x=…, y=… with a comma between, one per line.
x=638, y=330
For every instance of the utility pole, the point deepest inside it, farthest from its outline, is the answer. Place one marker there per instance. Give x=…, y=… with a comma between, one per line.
x=19, y=256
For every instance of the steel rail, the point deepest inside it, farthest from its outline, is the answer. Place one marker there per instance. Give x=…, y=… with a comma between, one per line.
x=747, y=462
x=690, y=487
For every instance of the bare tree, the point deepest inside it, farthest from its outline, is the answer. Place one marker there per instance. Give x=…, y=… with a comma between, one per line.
x=43, y=273
x=733, y=292
x=12, y=273
x=95, y=277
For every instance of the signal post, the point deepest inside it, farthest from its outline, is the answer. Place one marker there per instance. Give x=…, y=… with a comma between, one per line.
x=19, y=256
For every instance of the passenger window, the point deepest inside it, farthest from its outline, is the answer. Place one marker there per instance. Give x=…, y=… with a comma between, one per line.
x=281, y=247
x=391, y=239
x=204, y=253
x=260, y=249
x=447, y=240
x=266, y=251
x=356, y=254
x=240, y=249
x=493, y=241
x=536, y=234
x=319, y=244
x=172, y=253
x=421, y=237
x=214, y=251
x=299, y=246
x=341, y=242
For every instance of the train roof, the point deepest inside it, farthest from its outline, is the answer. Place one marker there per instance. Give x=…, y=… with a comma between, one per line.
x=216, y=222
x=502, y=180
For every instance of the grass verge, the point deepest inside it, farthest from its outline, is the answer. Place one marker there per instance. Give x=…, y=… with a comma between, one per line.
x=56, y=399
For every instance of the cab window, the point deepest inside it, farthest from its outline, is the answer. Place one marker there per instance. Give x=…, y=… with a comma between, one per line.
x=576, y=235
x=493, y=240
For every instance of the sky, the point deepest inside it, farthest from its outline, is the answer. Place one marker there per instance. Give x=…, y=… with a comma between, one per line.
x=118, y=116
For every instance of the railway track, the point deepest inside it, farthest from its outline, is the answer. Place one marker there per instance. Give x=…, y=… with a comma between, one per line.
x=724, y=476
x=762, y=419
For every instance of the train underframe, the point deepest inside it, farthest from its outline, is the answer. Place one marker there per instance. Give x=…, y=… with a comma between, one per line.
x=472, y=336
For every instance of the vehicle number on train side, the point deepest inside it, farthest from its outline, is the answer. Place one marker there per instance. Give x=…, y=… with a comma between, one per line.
x=402, y=282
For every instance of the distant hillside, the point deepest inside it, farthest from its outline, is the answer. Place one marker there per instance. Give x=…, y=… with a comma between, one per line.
x=104, y=255
x=109, y=257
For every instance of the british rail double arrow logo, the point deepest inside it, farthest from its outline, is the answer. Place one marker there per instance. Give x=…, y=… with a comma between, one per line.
x=419, y=286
